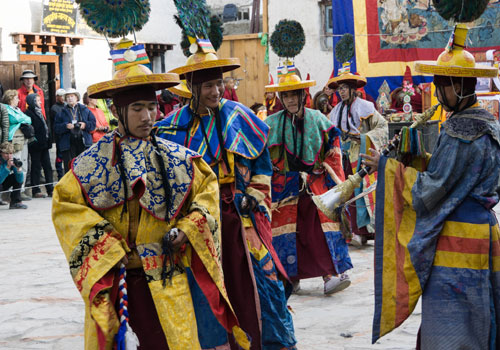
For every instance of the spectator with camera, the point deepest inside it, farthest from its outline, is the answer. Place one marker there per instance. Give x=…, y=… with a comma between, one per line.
x=101, y=126
x=11, y=175
x=39, y=150
x=73, y=126
x=20, y=131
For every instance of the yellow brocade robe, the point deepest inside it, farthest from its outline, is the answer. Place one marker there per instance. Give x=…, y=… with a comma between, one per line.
x=87, y=215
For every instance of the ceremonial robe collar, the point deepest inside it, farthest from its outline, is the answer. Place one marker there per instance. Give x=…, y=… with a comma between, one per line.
x=360, y=109
x=316, y=128
x=243, y=132
x=97, y=171
x=471, y=124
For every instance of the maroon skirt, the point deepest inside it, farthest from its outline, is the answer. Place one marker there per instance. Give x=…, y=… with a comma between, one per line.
x=237, y=270
x=143, y=317
x=313, y=256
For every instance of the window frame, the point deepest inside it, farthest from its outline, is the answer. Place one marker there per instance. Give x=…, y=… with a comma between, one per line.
x=326, y=34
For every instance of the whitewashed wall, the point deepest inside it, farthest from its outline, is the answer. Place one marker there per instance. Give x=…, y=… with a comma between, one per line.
x=15, y=16
x=312, y=59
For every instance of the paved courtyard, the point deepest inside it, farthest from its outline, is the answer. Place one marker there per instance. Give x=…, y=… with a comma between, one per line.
x=40, y=307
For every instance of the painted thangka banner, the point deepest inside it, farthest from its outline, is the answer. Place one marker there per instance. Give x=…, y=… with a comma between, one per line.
x=59, y=16
x=391, y=34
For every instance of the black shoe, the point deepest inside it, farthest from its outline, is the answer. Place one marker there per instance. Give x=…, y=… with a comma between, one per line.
x=18, y=205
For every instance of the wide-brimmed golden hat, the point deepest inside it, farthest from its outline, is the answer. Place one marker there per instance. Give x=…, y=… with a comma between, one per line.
x=181, y=90
x=131, y=72
x=346, y=77
x=289, y=80
x=455, y=61
x=203, y=57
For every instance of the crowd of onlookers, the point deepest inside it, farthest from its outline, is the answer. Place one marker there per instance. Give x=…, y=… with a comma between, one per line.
x=28, y=131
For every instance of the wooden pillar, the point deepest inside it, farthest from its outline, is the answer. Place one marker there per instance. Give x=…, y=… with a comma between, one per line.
x=255, y=19
x=265, y=19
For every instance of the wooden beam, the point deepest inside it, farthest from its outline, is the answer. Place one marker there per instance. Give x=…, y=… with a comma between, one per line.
x=19, y=39
x=241, y=36
x=50, y=40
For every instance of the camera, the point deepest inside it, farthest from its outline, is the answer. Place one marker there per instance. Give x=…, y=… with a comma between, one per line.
x=17, y=162
x=77, y=126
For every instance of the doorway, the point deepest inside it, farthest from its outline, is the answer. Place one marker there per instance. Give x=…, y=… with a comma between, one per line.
x=47, y=82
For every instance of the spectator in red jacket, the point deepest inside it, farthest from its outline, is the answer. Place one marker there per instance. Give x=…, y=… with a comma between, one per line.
x=101, y=126
x=28, y=79
x=230, y=91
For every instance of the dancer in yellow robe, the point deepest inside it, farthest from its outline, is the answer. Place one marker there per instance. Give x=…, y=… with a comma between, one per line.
x=117, y=206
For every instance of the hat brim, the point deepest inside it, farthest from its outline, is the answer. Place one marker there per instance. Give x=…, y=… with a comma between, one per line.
x=30, y=76
x=479, y=71
x=109, y=88
x=76, y=93
x=334, y=83
x=181, y=90
x=290, y=87
x=227, y=65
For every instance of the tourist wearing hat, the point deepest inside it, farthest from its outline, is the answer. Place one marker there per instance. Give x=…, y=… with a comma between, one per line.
x=306, y=159
x=362, y=127
x=39, y=149
x=54, y=111
x=144, y=211
x=73, y=126
x=28, y=79
x=437, y=237
x=232, y=140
